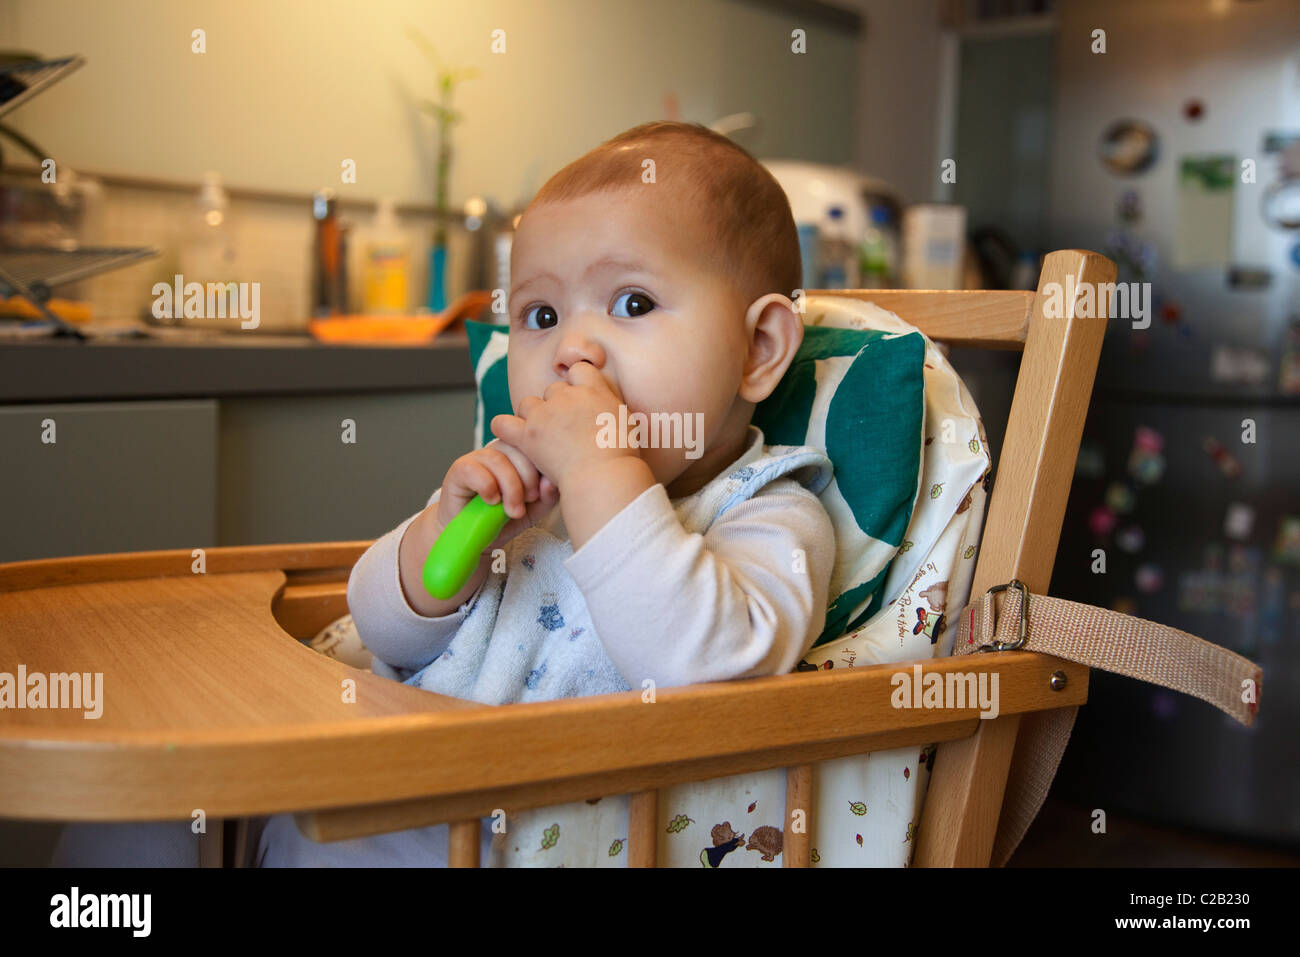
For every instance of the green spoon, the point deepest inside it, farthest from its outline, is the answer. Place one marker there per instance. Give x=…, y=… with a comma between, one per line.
x=455, y=554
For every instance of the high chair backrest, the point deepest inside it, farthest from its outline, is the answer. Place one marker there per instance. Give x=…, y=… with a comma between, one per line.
x=1027, y=506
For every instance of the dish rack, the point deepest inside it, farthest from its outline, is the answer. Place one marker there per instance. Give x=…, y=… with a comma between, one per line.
x=32, y=272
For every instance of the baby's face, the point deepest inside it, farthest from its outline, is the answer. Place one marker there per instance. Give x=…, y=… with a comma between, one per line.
x=617, y=279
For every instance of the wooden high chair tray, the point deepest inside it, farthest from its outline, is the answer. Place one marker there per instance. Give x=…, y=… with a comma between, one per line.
x=210, y=701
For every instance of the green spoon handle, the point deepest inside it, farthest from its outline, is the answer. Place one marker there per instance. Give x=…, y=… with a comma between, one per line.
x=455, y=554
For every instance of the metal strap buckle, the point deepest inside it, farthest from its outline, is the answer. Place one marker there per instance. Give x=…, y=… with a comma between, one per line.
x=1024, y=618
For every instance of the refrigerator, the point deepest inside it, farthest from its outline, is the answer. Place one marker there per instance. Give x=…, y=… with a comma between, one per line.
x=1176, y=152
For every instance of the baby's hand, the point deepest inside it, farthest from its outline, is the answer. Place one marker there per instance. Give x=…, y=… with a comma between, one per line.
x=499, y=473
x=559, y=431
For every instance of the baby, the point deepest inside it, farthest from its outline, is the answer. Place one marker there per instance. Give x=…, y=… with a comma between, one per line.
x=654, y=274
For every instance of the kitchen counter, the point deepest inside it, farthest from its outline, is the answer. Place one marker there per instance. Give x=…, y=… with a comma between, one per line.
x=65, y=368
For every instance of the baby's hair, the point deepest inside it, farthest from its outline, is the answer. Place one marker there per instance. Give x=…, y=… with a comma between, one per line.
x=742, y=208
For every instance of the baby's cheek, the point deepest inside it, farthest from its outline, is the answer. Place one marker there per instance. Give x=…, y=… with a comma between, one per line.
x=665, y=464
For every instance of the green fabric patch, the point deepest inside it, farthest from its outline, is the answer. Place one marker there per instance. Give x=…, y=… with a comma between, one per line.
x=875, y=456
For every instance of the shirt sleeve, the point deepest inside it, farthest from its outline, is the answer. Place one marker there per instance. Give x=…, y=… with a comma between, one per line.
x=393, y=631
x=747, y=598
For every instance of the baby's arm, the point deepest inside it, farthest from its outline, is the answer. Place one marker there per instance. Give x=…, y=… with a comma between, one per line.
x=404, y=626
x=737, y=602
x=393, y=631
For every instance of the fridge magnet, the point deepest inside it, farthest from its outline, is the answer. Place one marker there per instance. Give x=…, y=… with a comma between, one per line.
x=1203, y=230
x=1282, y=204
x=1193, y=110
x=1119, y=496
x=1145, y=462
x=1132, y=256
x=1287, y=548
x=1130, y=538
x=1149, y=578
x=1288, y=380
x=1238, y=521
x=1091, y=463
x=1249, y=277
x=1129, y=147
x=1277, y=141
x=1222, y=457
x=1102, y=521
x=1129, y=208
x=1238, y=365
x=1197, y=591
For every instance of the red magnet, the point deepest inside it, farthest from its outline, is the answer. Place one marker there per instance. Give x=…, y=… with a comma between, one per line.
x=1102, y=521
x=1222, y=457
x=1193, y=110
x=1145, y=463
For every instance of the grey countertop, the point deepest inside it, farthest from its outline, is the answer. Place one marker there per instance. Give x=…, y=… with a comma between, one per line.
x=65, y=368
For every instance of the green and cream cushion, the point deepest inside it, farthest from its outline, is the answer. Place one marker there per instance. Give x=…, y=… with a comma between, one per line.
x=857, y=394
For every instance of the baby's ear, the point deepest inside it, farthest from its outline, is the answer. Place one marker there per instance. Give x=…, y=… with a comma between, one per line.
x=775, y=332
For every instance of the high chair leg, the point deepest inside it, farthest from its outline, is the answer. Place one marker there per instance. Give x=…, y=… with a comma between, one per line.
x=797, y=845
x=643, y=829
x=241, y=842
x=212, y=843
x=960, y=817
x=463, y=845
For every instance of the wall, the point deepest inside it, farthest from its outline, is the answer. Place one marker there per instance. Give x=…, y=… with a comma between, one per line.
x=280, y=99
x=286, y=91
x=897, y=129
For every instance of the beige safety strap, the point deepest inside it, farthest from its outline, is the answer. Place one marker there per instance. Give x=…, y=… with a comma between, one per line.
x=1101, y=639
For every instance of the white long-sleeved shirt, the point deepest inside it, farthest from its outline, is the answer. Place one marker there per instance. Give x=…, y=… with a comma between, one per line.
x=729, y=582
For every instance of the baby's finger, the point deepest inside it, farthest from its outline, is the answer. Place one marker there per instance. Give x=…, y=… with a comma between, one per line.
x=528, y=473
x=512, y=487
x=548, y=491
x=527, y=406
x=508, y=428
x=466, y=478
x=585, y=374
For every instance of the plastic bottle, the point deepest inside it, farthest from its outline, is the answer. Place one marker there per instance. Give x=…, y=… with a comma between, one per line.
x=208, y=253
x=878, y=252
x=387, y=269
x=835, y=252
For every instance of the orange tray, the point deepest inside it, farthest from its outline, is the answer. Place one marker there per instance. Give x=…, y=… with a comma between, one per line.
x=398, y=329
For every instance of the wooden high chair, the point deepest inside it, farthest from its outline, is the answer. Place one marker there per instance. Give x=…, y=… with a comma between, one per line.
x=212, y=703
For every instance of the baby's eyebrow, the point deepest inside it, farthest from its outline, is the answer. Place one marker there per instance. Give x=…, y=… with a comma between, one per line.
x=606, y=263
x=609, y=262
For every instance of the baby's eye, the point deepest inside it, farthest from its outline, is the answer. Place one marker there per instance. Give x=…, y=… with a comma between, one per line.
x=644, y=306
x=546, y=317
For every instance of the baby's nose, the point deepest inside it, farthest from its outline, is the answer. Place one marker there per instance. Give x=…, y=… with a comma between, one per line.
x=573, y=351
